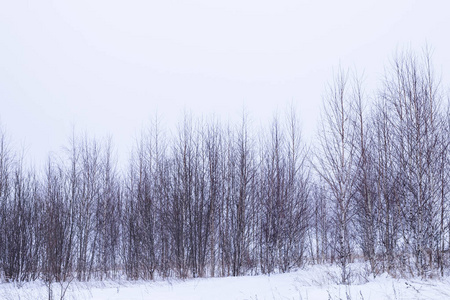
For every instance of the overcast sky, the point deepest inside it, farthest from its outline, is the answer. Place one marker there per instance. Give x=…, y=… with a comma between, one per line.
x=107, y=66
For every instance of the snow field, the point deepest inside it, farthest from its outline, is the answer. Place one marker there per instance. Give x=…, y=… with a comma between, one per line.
x=314, y=282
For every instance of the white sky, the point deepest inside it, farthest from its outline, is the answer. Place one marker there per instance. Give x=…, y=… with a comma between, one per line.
x=107, y=66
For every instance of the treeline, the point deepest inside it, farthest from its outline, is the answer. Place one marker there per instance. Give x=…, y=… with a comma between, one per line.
x=219, y=200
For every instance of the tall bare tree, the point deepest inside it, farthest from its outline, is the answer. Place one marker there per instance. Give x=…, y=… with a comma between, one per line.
x=414, y=99
x=336, y=161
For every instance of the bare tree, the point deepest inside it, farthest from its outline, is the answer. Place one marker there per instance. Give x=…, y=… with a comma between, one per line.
x=365, y=189
x=88, y=207
x=213, y=147
x=414, y=99
x=5, y=194
x=298, y=208
x=335, y=162
x=240, y=221
x=387, y=186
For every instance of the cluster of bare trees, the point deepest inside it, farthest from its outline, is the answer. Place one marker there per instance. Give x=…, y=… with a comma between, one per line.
x=63, y=222
x=384, y=170
x=210, y=205
x=211, y=202
x=220, y=200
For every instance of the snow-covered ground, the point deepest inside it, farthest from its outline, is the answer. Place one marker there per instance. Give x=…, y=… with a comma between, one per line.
x=315, y=282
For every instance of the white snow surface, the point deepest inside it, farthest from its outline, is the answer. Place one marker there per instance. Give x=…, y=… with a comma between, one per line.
x=312, y=282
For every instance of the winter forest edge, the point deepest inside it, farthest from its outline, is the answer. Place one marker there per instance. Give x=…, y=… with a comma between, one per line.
x=220, y=200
